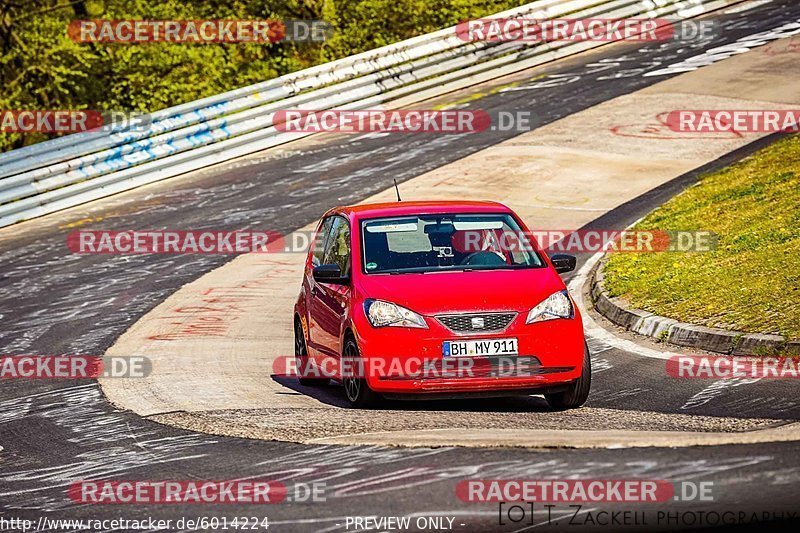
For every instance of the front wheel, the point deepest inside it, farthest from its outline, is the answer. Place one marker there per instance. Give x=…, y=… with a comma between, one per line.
x=578, y=392
x=356, y=388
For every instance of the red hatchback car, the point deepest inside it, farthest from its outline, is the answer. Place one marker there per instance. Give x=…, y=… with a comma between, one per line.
x=429, y=299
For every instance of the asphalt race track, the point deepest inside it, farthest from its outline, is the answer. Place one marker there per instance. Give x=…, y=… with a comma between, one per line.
x=54, y=302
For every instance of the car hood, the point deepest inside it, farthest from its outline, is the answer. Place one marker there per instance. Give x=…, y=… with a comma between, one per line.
x=488, y=290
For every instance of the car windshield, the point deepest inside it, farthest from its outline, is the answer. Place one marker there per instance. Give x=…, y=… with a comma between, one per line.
x=432, y=243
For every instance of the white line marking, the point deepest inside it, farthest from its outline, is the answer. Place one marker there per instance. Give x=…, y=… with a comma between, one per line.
x=593, y=329
x=746, y=7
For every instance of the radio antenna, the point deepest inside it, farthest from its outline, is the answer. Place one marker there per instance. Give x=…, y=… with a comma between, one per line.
x=397, y=190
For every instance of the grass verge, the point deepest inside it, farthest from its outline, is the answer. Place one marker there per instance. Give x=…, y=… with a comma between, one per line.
x=751, y=281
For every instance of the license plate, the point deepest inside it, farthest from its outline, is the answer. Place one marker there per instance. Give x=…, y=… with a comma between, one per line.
x=479, y=347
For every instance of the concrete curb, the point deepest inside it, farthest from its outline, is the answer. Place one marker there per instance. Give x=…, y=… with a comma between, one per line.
x=562, y=439
x=681, y=333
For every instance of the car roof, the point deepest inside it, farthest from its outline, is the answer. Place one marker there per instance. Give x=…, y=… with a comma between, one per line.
x=389, y=209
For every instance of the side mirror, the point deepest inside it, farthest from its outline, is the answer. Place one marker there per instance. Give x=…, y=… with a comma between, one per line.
x=563, y=262
x=329, y=274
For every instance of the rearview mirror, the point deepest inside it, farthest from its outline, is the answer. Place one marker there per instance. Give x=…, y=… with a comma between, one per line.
x=329, y=274
x=563, y=262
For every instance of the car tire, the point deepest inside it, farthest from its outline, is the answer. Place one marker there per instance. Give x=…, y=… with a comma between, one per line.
x=356, y=388
x=578, y=391
x=301, y=359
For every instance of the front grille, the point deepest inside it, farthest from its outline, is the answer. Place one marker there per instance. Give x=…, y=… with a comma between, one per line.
x=484, y=322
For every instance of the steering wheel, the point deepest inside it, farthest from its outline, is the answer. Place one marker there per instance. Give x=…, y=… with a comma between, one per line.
x=483, y=257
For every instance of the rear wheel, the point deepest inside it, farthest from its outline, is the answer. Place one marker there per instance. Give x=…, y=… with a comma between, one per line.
x=355, y=387
x=578, y=392
x=301, y=358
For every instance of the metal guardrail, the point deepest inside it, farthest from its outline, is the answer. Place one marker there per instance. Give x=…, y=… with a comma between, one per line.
x=71, y=170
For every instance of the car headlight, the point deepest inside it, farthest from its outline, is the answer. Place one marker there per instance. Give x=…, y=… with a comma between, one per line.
x=382, y=313
x=557, y=305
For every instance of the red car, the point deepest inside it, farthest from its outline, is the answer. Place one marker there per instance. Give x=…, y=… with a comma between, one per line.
x=437, y=299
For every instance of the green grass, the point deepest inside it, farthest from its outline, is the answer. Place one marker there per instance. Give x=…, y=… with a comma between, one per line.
x=751, y=281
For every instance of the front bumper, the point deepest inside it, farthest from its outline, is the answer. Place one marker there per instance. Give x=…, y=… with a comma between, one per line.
x=550, y=354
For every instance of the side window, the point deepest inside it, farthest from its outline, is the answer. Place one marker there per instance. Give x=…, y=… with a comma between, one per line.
x=337, y=250
x=319, y=241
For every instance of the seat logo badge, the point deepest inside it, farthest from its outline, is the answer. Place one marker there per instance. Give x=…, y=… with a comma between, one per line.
x=477, y=323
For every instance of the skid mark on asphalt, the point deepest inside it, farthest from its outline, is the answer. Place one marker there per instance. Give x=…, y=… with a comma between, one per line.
x=715, y=390
x=82, y=421
x=723, y=52
x=777, y=404
x=597, y=347
x=356, y=478
x=747, y=6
